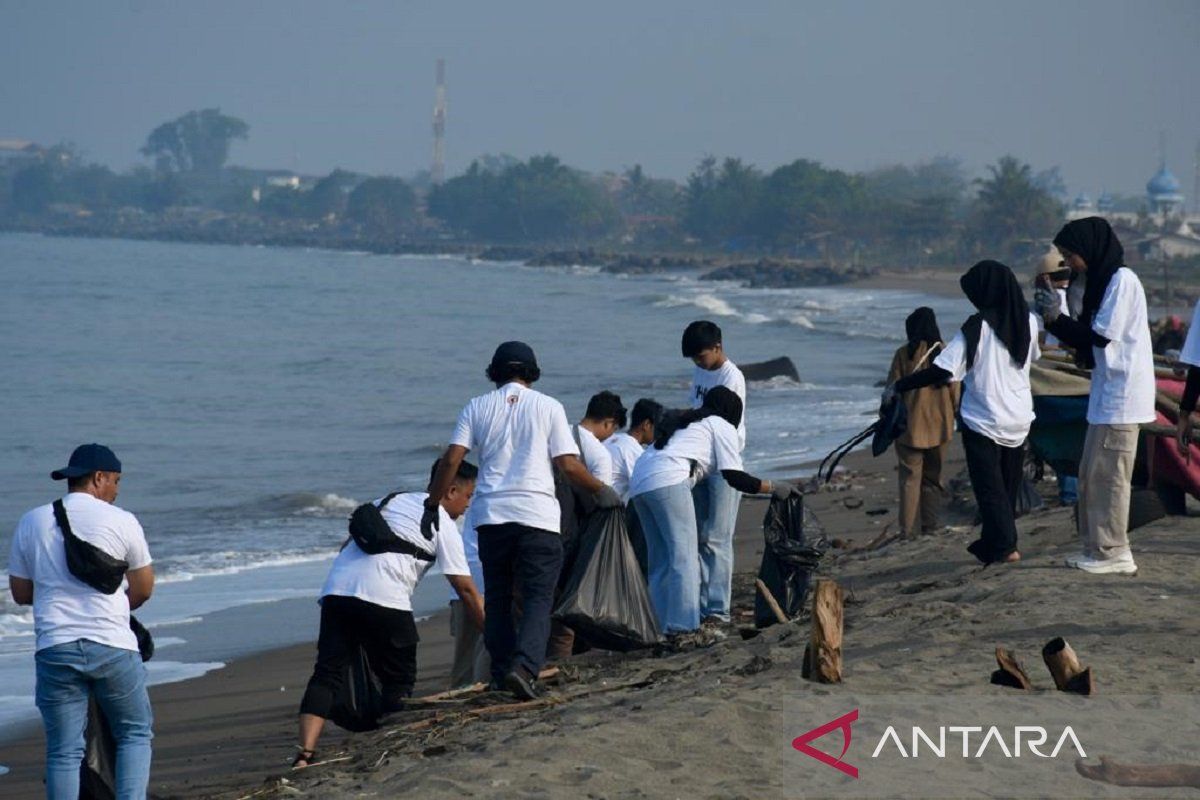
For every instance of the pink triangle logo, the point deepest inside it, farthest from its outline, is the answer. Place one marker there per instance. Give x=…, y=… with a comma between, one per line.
x=843, y=723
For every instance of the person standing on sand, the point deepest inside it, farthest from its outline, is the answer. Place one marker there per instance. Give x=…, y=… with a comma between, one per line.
x=521, y=435
x=626, y=449
x=921, y=449
x=85, y=647
x=1112, y=337
x=367, y=602
x=1190, y=355
x=991, y=357
x=690, y=446
x=716, y=500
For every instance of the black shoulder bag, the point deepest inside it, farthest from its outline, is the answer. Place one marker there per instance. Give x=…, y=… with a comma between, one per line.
x=374, y=536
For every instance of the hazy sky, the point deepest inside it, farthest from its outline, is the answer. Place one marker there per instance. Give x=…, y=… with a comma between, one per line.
x=1083, y=85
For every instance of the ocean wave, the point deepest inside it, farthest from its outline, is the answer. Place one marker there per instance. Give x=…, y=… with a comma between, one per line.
x=799, y=321
x=174, y=671
x=232, y=562
x=705, y=302
x=775, y=384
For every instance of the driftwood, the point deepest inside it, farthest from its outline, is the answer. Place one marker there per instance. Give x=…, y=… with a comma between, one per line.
x=1011, y=673
x=823, y=656
x=771, y=602
x=1110, y=771
x=1069, y=675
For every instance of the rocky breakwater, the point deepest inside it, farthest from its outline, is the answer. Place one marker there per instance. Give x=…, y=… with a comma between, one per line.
x=770, y=273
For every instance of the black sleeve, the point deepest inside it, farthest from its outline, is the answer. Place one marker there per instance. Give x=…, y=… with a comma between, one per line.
x=1075, y=333
x=1191, y=391
x=744, y=482
x=926, y=377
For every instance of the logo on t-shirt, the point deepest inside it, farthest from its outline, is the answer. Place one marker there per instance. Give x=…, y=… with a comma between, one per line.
x=512, y=399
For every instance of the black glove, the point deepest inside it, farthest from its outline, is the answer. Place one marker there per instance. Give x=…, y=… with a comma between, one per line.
x=607, y=497
x=889, y=394
x=782, y=490
x=1047, y=303
x=430, y=520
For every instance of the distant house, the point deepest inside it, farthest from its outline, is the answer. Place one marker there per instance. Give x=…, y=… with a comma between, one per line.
x=1163, y=246
x=16, y=152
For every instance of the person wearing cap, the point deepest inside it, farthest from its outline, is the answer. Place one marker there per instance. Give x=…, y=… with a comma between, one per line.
x=84, y=645
x=1058, y=274
x=520, y=435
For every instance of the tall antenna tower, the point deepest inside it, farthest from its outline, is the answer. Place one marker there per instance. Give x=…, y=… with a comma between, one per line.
x=437, y=172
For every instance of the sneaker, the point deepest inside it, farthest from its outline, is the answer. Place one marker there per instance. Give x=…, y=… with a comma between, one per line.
x=522, y=684
x=1121, y=565
x=1073, y=560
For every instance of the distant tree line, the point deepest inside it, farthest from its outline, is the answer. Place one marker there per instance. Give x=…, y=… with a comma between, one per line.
x=923, y=213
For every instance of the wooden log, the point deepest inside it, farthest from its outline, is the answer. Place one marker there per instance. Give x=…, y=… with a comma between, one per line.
x=1110, y=771
x=1011, y=673
x=771, y=602
x=825, y=648
x=1069, y=675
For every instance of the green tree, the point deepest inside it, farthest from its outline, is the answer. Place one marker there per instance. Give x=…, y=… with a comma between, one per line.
x=1011, y=206
x=722, y=203
x=330, y=195
x=804, y=198
x=34, y=188
x=198, y=141
x=382, y=204
x=642, y=195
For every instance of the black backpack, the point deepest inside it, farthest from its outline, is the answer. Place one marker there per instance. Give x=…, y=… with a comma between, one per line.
x=374, y=536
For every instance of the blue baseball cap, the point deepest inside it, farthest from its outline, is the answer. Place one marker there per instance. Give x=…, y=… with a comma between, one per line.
x=86, y=459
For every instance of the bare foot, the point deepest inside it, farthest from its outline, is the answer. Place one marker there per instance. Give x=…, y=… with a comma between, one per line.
x=1011, y=558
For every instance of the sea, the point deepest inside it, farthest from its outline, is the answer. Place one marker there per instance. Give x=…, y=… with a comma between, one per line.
x=256, y=395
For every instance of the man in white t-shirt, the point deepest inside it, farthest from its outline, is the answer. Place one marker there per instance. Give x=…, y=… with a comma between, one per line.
x=520, y=435
x=627, y=447
x=716, y=501
x=85, y=647
x=366, y=603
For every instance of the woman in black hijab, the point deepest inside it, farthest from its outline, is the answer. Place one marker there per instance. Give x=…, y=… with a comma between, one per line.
x=991, y=356
x=921, y=449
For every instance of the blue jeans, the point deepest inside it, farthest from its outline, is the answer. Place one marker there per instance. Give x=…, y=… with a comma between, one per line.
x=716, y=512
x=518, y=559
x=67, y=674
x=668, y=518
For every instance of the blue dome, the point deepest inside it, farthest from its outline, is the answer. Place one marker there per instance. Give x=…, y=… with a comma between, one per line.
x=1163, y=183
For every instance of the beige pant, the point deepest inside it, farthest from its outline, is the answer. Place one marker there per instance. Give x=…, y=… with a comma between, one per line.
x=471, y=661
x=1105, y=483
x=921, y=489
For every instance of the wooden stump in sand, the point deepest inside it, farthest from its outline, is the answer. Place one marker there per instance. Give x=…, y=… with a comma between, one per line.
x=1110, y=771
x=823, y=655
x=1011, y=673
x=1069, y=675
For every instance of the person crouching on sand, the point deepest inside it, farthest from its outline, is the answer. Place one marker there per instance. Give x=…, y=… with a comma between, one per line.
x=922, y=447
x=690, y=447
x=990, y=356
x=367, y=602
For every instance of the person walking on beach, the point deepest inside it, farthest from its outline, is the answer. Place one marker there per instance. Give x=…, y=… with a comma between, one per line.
x=521, y=434
x=1112, y=337
x=690, y=447
x=921, y=449
x=1190, y=355
x=990, y=356
x=84, y=646
x=366, y=603
x=716, y=500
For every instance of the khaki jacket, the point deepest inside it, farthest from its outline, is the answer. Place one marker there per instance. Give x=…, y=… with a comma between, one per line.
x=930, y=410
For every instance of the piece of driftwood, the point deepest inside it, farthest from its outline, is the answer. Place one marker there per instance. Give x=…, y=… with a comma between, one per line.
x=1110, y=771
x=823, y=657
x=506, y=708
x=771, y=602
x=1011, y=673
x=1069, y=675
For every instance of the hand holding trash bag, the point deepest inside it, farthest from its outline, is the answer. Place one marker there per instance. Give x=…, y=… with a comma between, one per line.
x=607, y=497
x=782, y=490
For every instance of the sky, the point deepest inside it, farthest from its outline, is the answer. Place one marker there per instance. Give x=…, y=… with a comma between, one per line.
x=1086, y=86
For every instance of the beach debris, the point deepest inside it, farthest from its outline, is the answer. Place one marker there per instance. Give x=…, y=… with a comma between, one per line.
x=771, y=602
x=1069, y=675
x=852, y=502
x=875, y=512
x=755, y=665
x=823, y=655
x=1109, y=771
x=1011, y=673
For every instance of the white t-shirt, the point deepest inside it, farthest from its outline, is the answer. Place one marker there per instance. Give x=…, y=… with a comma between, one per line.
x=516, y=431
x=625, y=451
x=65, y=609
x=470, y=540
x=711, y=445
x=729, y=376
x=1051, y=339
x=595, y=456
x=996, y=400
x=1123, y=386
x=389, y=579
x=1190, y=354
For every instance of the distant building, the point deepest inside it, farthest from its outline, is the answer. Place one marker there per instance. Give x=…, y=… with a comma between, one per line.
x=17, y=151
x=1164, y=193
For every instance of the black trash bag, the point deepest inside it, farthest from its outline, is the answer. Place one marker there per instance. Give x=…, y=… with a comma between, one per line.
x=97, y=773
x=795, y=544
x=605, y=599
x=893, y=422
x=1028, y=498
x=359, y=702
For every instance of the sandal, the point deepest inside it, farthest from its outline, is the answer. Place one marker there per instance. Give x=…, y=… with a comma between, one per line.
x=305, y=758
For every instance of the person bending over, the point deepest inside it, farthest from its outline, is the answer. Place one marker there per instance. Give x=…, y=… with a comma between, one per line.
x=367, y=602
x=626, y=447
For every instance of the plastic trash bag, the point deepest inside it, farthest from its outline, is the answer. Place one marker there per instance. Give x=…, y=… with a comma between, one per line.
x=1028, y=498
x=605, y=599
x=359, y=702
x=795, y=543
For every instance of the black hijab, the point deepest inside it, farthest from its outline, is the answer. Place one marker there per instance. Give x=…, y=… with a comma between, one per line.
x=921, y=326
x=720, y=401
x=993, y=289
x=1093, y=240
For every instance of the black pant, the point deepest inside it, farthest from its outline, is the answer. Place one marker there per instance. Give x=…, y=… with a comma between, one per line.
x=995, y=473
x=389, y=637
x=518, y=557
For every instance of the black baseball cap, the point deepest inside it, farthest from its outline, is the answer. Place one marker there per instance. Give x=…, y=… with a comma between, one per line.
x=514, y=353
x=86, y=459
